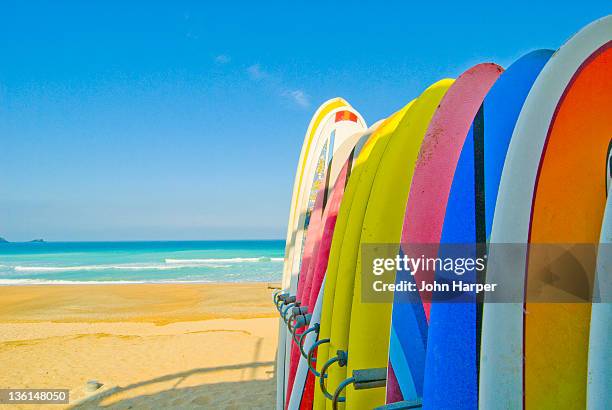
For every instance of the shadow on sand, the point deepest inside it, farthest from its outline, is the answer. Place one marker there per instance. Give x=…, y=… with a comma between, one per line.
x=226, y=395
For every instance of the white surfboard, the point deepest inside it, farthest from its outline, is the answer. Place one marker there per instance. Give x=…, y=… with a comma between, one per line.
x=302, y=370
x=501, y=365
x=599, y=385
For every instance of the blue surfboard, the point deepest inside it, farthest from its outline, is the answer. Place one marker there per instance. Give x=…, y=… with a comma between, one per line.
x=453, y=339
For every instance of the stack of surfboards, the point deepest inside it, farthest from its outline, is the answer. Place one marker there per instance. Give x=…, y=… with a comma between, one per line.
x=517, y=156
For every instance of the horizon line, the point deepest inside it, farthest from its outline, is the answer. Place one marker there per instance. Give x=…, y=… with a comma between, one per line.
x=143, y=240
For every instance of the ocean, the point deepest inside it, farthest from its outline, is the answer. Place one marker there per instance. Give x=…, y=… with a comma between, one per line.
x=141, y=262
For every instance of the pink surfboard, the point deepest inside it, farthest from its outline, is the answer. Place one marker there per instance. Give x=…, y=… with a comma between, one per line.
x=312, y=238
x=316, y=270
x=423, y=221
x=438, y=157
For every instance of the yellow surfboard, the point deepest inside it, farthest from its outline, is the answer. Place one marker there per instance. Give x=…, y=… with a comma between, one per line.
x=369, y=153
x=368, y=338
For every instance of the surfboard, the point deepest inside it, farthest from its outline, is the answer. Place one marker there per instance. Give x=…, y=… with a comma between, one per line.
x=338, y=125
x=307, y=181
x=369, y=153
x=302, y=391
x=585, y=110
x=349, y=151
x=382, y=224
x=333, y=130
x=561, y=134
x=455, y=327
x=305, y=153
x=422, y=224
x=338, y=128
x=344, y=261
x=599, y=383
x=328, y=200
x=303, y=254
x=451, y=355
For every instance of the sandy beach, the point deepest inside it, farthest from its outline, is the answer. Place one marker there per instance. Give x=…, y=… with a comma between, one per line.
x=150, y=345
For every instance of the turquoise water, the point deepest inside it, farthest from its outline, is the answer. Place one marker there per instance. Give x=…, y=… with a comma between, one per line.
x=140, y=262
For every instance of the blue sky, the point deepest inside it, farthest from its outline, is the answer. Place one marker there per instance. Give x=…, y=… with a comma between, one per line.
x=183, y=120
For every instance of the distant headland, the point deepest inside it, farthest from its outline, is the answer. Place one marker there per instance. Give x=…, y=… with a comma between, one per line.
x=37, y=240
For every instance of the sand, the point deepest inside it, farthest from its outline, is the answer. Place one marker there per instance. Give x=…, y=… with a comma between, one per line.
x=151, y=346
